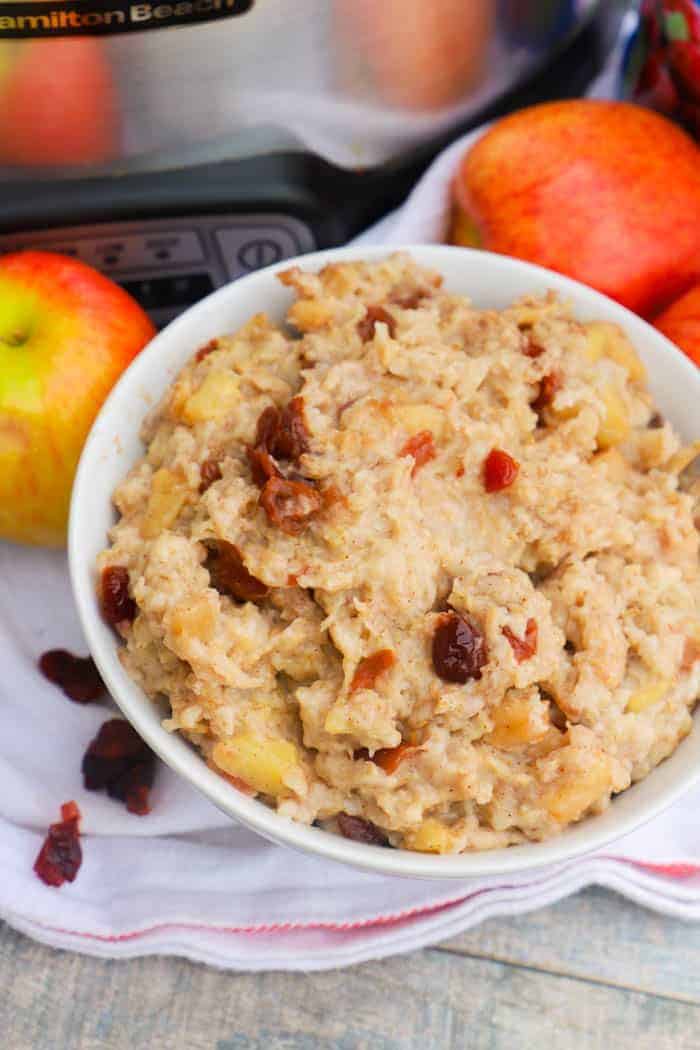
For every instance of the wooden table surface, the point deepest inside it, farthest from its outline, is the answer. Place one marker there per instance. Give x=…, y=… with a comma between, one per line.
x=593, y=972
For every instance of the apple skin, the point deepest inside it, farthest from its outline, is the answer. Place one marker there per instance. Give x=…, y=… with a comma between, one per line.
x=58, y=103
x=66, y=334
x=605, y=192
x=416, y=56
x=681, y=323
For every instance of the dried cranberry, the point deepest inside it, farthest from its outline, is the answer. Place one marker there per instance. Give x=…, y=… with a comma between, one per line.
x=387, y=758
x=77, y=676
x=409, y=300
x=290, y=504
x=532, y=349
x=134, y=787
x=500, y=470
x=262, y=465
x=117, y=604
x=209, y=472
x=207, y=349
x=523, y=648
x=548, y=387
x=369, y=669
x=332, y=496
x=291, y=437
x=279, y=435
x=390, y=758
x=119, y=760
x=295, y=475
x=60, y=856
x=116, y=741
x=422, y=447
x=360, y=830
x=373, y=314
x=283, y=434
x=459, y=649
x=70, y=811
x=268, y=422
x=229, y=575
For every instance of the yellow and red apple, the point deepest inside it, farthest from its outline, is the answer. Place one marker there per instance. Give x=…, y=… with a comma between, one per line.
x=58, y=103
x=606, y=192
x=681, y=323
x=66, y=334
x=415, y=55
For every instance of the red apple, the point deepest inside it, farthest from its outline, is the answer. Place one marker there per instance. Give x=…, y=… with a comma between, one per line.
x=606, y=192
x=66, y=334
x=681, y=323
x=415, y=55
x=58, y=103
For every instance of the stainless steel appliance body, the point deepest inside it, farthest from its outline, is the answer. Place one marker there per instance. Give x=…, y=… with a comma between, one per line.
x=177, y=144
x=122, y=85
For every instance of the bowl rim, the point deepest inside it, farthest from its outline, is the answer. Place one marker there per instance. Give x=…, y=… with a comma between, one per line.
x=592, y=833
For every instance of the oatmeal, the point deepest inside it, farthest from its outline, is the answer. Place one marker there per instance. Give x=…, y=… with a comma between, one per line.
x=417, y=572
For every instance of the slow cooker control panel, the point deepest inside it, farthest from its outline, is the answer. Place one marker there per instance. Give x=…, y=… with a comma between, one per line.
x=168, y=264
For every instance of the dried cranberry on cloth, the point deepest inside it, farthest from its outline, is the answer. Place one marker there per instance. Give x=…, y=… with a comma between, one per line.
x=60, y=856
x=184, y=879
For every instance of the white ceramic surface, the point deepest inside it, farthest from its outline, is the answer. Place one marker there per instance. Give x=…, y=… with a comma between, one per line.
x=113, y=445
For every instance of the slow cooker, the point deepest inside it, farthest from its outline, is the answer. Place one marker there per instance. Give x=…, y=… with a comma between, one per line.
x=176, y=144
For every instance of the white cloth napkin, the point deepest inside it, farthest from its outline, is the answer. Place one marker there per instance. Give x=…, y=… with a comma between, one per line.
x=184, y=880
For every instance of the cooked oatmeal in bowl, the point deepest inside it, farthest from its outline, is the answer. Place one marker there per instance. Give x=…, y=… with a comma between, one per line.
x=415, y=572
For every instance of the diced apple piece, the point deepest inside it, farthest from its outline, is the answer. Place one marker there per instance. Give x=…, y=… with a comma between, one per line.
x=608, y=340
x=263, y=764
x=337, y=721
x=217, y=396
x=516, y=723
x=648, y=694
x=570, y=798
x=615, y=425
x=420, y=417
x=195, y=619
x=652, y=448
x=431, y=837
x=528, y=314
x=680, y=460
x=179, y=393
x=308, y=315
x=565, y=412
x=158, y=446
x=164, y=503
x=190, y=716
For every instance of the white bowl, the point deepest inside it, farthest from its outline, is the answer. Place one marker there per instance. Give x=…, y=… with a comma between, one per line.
x=113, y=446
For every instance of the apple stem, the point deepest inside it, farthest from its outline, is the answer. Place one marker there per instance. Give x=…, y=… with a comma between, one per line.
x=15, y=339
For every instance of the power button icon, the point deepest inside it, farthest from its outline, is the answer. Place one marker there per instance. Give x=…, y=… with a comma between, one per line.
x=261, y=251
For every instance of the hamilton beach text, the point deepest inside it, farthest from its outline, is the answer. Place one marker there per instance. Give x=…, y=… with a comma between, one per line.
x=117, y=18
